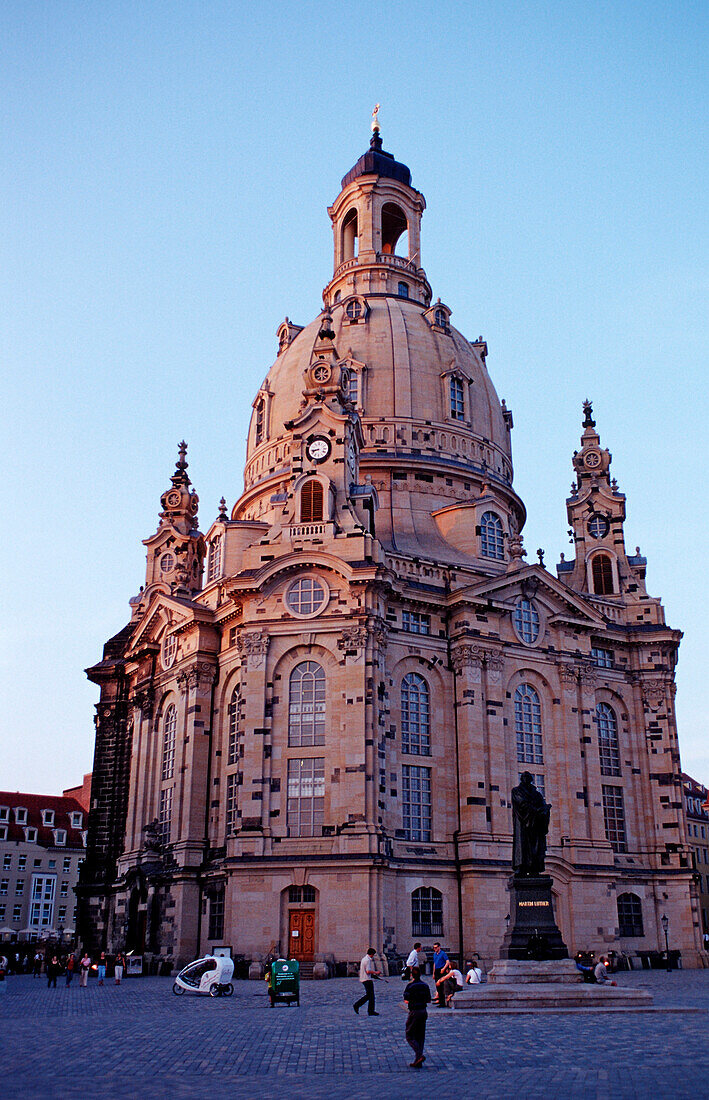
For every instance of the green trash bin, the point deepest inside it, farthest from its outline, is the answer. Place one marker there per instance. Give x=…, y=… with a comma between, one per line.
x=284, y=983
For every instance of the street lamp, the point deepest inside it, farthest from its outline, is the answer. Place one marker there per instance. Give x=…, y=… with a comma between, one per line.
x=665, y=922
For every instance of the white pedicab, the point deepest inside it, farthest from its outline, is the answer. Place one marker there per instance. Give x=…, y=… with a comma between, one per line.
x=211, y=975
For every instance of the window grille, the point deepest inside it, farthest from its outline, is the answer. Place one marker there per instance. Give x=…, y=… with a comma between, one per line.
x=306, y=705
x=416, y=802
x=457, y=399
x=491, y=537
x=630, y=915
x=415, y=623
x=608, y=748
x=614, y=817
x=427, y=912
x=526, y=620
x=602, y=571
x=306, y=796
x=168, y=742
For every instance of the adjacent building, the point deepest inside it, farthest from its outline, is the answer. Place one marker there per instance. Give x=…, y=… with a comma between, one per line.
x=308, y=730
x=697, y=810
x=42, y=845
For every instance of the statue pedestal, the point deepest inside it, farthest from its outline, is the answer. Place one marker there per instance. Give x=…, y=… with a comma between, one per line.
x=533, y=932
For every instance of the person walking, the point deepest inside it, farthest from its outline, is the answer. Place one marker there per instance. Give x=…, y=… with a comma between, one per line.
x=440, y=959
x=37, y=970
x=70, y=967
x=101, y=967
x=84, y=967
x=417, y=996
x=118, y=968
x=416, y=958
x=367, y=973
x=53, y=969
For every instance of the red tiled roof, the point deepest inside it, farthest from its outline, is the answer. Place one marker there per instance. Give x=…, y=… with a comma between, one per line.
x=34, y=804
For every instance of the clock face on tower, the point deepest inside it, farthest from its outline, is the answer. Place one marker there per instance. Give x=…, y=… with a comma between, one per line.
x=318, y=449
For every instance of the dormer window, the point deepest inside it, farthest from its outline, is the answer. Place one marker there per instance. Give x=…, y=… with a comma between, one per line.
x=457, y=398
x=48, y=818
x=311, y=502
x=215, y=559
x=260, y=420
x=60, y=837
x=354, y=310
x=440, y=319
x=30, y=834
x=20, y=815
x=76, y=819
x=491, y=536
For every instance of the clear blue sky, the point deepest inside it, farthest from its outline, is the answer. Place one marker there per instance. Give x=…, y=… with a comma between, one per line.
x=166, y=172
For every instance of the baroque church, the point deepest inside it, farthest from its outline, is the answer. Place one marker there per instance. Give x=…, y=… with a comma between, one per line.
x=308, y=731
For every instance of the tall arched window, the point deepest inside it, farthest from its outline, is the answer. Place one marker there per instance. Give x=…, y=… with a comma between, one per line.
x=306, y=705
x=491, y=540
x=457, y=399
x=415, y=715
x=234, y=726
x=427, y=912
x=311, y=502
x=528, y=725
x=349, y=236
x=608, y=748
x=394, y=225
x=630, y=915
x=602, y=573
x=169, y=730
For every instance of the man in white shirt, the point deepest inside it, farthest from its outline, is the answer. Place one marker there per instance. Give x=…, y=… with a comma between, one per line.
x=367, y=973
x=416, y=958
x=453, y=984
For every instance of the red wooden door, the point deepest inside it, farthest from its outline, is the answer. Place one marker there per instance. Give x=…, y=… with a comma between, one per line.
x=301, y=934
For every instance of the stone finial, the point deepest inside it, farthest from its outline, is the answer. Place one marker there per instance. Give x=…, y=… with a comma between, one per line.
x=540, y=555
x=182, y=460
x=222, y=517
x=375, y=119
x=516, y=549
x=588, y=421
x=326, y=330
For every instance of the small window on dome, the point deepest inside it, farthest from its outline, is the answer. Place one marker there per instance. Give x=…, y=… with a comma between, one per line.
x=337, y=297
x=440, y=318
x=457, y=399
x=403, y=290
x=260, y=415
x=354, y=310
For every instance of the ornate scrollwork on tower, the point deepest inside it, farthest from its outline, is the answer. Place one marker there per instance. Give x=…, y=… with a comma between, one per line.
x=144, y=699
x=653, y=694
x=199, y=678
x=568, y=674
x=352, y=637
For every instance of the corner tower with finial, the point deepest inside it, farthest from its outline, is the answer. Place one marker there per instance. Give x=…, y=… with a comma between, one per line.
x=176, y=551
x=376, y=222
x=596, y=513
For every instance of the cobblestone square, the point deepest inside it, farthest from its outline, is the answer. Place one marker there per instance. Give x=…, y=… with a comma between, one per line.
x=138, y=1040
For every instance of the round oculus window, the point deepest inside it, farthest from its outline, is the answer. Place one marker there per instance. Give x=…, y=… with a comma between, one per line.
x=306, y=596
x=526, y=621
x=354, y=310
x=592, y=459
x=173, y=499
x=598, y=526
x=167, y=563
x=169, y=650
x=322, y=373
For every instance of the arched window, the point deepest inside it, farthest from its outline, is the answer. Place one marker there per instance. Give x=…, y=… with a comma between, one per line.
x=415, y=715
x=394, y=225
x=457, y=399
x=608, y=748
x=427, y=912
x=403, y=290
x=602, y=572
x=215, y=559
x=311, y=502
x=350, y=237
x=260, y=417
x=440, y=318
x=630, y=915
x=491, y=540
x=306, y=705
x=526, y=621
x=528, y=725
x=169, y=730
x=234, y=726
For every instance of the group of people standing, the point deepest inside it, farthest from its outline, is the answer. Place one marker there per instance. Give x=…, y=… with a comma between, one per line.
x=448, y=981
x=69, y=965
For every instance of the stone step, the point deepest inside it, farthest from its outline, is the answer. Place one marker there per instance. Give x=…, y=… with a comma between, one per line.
x=535, y=996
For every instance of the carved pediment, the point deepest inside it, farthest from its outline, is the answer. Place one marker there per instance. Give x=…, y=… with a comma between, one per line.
x=532, y=581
